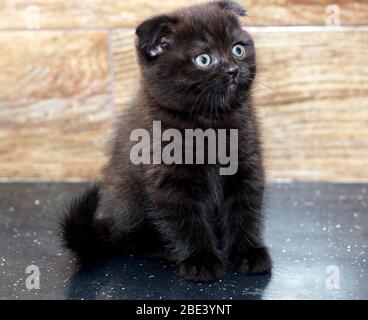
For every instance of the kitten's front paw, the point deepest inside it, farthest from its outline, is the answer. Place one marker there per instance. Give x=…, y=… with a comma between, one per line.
x=201, y=271
x=255, y=261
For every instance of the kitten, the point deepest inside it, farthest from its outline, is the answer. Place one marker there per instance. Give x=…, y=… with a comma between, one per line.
x=197, y=68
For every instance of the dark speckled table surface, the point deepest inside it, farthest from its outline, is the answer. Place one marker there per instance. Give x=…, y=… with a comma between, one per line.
x=317, y=233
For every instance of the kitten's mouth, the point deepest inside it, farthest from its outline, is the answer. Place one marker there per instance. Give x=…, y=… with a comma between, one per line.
x=233, y=85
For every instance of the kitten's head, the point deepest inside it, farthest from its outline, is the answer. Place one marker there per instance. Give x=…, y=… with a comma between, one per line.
x=197, y=59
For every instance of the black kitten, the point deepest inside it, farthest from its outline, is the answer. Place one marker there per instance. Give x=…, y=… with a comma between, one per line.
x=197, y=68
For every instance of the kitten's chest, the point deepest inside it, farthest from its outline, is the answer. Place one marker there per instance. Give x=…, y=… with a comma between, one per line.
x=215, y=186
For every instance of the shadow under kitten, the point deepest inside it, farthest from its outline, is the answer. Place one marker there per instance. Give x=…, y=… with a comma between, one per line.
x=137, y=277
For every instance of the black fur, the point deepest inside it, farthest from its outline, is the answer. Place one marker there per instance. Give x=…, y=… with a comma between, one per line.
x=189, y=214
x=234, y=6
x=82, y=233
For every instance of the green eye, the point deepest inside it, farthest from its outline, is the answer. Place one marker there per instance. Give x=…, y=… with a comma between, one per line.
x=203, y=60
x=239, y=51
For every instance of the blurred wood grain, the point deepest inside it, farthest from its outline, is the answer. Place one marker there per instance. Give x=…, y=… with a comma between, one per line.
x=54, y=104
x=312, y=98
x=60, y=85
x=58, y=14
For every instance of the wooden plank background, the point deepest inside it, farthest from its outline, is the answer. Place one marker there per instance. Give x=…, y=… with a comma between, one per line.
x=128, y=13
x=61, y=85
x=54, y=104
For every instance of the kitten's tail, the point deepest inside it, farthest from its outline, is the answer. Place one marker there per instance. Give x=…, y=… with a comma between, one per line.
x=82, y=233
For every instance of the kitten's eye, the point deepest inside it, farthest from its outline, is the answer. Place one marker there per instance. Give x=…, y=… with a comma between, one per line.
x=239, y=51
x=203, y=60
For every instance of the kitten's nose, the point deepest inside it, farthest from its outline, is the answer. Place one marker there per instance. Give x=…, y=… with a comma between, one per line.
x=233, y=72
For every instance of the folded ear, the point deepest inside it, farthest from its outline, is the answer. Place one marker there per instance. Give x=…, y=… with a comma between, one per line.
x=155, y=35
x=233, y=6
